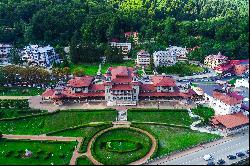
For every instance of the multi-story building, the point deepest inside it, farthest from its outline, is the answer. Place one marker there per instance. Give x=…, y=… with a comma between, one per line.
x=164, y=58
x=125, y=47
x=143, y=58
x=244, y=82
x=39, y=56
x=121, y=86
x=224, y=103
x=4, y=52
x=181, y=53
x=213, y=61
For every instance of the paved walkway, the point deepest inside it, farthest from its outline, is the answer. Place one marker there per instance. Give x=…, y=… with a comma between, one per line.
x=76, y=153
x=138, y=162
x=14, y=97
x=35, y=103
x=201, y=129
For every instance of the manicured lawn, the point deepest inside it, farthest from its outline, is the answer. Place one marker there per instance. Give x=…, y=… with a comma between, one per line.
x=20, y=91
x=132, y=146
x=54, y=122
x=84, y=161
x=16, y=112
x=91, y=69
x=205, y=112
x=43, y=152
x=86, y=132
x=181, y=68
x=171, y=139
x=177, y=117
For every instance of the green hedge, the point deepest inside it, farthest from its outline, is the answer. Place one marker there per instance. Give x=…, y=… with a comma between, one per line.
x=156, y=110
x=14, y=103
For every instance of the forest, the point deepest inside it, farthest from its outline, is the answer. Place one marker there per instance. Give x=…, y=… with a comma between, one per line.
x=213, y=25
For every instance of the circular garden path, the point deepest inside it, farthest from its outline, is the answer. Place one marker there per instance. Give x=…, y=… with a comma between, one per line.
x=138, y=162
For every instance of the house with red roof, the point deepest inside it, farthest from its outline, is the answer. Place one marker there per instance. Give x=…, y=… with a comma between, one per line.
x=225, y=103
x=231, y=123
x=121, y=86
x=134, y=35
x=213, y=61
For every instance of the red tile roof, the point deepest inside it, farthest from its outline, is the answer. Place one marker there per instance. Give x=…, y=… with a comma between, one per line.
x=97, y=87
x=231, y=120
x=48, y=93
x=163, y=81
x=122, y=87
x=225, y=98
x=160, y=94
x=147, y=87
x=80, y=81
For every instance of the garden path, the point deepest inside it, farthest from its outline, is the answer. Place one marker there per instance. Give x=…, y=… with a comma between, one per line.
x=201, y=129
x=138, y=162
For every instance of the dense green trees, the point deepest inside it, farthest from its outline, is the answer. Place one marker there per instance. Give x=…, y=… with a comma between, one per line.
x=214, y=25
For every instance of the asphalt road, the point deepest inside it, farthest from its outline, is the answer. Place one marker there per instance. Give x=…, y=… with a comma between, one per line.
x=219, y=151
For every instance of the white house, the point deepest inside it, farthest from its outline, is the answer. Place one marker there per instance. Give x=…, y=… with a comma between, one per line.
x=39, y=56
x=223, y=103
x=180, y=52
x=143, y=58
x=164, y=58
x=125, y=47
x=244, y=82
x=4, y=52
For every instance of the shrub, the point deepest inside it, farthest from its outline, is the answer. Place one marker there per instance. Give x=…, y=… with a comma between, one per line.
x=9, y=153
x=61, y=155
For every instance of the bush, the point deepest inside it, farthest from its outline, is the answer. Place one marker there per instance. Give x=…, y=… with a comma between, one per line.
x=9, y=153
x=61, y=155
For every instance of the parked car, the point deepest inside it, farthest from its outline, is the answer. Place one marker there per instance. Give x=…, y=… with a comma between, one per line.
x=231, y=157
x=210, y=163
x=207, y=157
x=221, y=162
x=240, y=154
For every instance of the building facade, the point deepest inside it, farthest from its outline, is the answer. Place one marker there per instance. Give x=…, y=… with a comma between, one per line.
x=134, y=35
x=223, y=103
x=121, y=86
x=125, y=47
x=143, y=58
x=213, y=61
x=4, y=52
x=39, y=56
x=164, y=58
x=180, y=52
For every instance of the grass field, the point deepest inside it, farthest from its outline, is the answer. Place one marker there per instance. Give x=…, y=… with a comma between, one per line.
x=205, y=112
x=181, y=68
x=84, y=161
x=91, y=69
x=53, y=122
x=177, y=117
x=171, y=139
x=43, y=152
x=20, y=91
x=126, y=153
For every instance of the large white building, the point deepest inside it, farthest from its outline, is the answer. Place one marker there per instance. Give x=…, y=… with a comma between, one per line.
x=39, y=56
x=213, y=61
x=4, y=52
x=143, y=58
x=224, y=103
x=164, y=58
x=180, y=52
x=125, y=47
x=244, y=82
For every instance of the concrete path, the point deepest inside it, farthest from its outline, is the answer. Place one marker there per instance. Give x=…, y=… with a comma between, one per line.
x=14, y=97
x=201, y=129
x=76, y=153
x=39, y=137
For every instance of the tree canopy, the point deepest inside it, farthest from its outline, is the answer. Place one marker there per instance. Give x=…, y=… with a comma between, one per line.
x=213, y=25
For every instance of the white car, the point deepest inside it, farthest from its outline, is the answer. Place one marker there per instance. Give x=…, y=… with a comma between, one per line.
x=207, y=157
